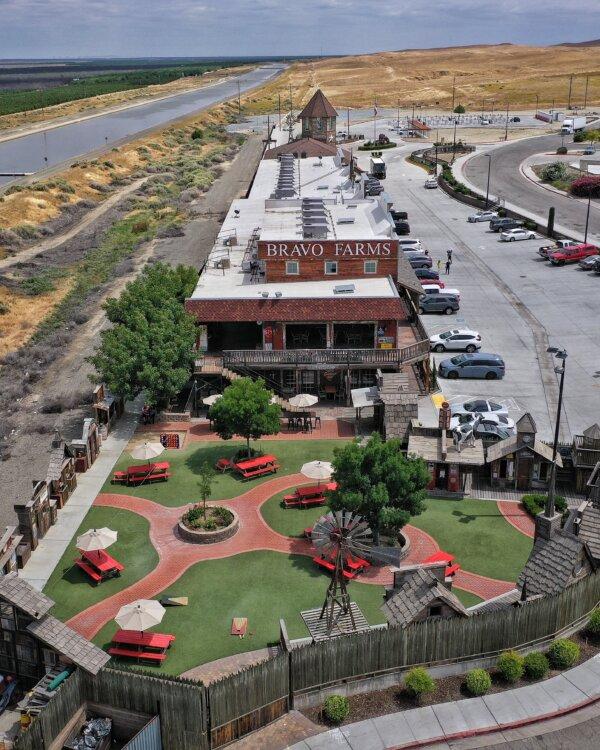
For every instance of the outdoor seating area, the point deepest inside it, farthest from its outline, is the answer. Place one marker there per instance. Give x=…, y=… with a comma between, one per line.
x=306, y=497
x=302, y=421
x=141, y=646
x=452, y=568
x=352, y=565
x=134, y=475
x=256, y=467
x=99, y=565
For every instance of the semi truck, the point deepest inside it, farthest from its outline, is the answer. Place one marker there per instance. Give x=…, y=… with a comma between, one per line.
x=377, y=168
x=572, y=125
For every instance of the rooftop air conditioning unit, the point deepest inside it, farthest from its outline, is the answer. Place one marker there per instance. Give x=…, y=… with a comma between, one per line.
x=344, y=289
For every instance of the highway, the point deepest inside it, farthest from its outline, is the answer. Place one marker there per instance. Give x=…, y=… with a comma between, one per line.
x=507, y=182
x=55, y=145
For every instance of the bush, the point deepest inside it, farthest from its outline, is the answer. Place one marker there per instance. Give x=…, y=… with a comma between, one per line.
x=536, y=665
x=140, y=226
x=593, y=626
x=478, y=681
x=197, y=134
x=37, y=285
x=561, y=150
x=536, y=502
x=418, y=682
x=336, y=708
x=459, y=109
x=585, y=186
x=555, y=171
x=510, y=666
x=563, y=653
x=579, y=137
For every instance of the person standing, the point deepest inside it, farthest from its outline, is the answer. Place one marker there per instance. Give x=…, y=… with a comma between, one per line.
x=449, y=254
x=439, y=266
x=448, y=264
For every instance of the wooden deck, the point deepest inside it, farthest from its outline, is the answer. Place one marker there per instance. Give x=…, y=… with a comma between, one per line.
x=317, y=627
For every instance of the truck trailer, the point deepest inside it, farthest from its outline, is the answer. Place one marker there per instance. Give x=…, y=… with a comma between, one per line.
x=572, y=125
x=377, y=168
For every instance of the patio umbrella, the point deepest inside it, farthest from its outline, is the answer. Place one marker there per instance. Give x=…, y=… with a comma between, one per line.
x=303, y=400
x=140, y=615
x=210, y=400
x=96, y=539
x=317, y=470
x=147, y=451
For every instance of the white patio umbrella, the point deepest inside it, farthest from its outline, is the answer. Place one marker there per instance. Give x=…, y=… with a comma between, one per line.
x=140, y=615
x=317, y=470
x=147, y=451
x=303, y=400
x=96, y=539
x=210, y=400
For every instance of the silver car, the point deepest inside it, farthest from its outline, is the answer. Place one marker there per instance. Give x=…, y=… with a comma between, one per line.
x=482, y=216
x=456, y=340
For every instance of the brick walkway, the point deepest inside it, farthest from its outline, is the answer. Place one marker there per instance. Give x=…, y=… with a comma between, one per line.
x=176, y=555
x=517, y=516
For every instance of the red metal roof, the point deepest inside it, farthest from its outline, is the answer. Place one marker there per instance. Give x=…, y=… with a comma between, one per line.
x=318, y=106
x=293, y=310
x=308, y=146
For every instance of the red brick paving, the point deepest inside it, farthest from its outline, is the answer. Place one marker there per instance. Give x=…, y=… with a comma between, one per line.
x=176, y=555
x=331, y=429
x=517, y=516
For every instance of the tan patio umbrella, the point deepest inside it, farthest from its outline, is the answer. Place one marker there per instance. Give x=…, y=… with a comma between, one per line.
x=147, y=451
x=140, y=615
x=96, y=539
x=210, y=400
x=303, y=400
x=317, y=470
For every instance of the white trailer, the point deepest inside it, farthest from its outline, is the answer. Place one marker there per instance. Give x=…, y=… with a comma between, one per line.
x=377, y=167
x=572, y=125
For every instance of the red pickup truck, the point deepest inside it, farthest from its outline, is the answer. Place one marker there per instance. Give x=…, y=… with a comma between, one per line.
x=572, y=254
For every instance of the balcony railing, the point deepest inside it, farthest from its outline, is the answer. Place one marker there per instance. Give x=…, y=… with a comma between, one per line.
x=327, y=357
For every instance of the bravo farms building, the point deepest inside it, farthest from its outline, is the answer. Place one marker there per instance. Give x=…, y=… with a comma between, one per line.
x=306, y=285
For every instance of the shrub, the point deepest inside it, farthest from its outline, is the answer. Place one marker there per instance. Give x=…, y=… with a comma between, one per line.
x=555, y=171
x=563, y=653
x=510, y=666
x=224, y=515
x=459, y=109
x=536, y=665
x=139, y=226
x=4, y=308
x=418, y=682
x=197, y=134
x=536, y=502
x=582, y=187
x=593, y=626
x=561, y=150
x=336, y=708
x=579, y=137
x=37, y=285
x=478, y=681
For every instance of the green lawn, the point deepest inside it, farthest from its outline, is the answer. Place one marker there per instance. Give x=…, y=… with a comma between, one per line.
x=477, y=533
x=262, y=586
x=70, y=587
x=182, y=487
x=289, y=521
x=468, y=599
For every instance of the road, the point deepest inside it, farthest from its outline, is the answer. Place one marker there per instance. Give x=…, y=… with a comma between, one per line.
x=507, y=182
x=51, y=147
x=518, y=303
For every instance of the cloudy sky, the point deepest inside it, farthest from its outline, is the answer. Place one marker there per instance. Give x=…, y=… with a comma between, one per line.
x=71, y=28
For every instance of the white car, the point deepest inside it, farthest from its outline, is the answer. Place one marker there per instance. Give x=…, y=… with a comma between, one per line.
x=456, y=340
x=480, y=405
x=414, y=244
x=517, y=234
x=482, y=216
x=431, y=183
x=473, y=418
x=437, y=289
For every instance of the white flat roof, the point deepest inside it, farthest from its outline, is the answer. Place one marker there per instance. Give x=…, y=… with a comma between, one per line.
x=313, y=178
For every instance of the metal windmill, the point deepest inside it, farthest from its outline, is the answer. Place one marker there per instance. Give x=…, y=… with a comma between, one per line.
x=338, y=536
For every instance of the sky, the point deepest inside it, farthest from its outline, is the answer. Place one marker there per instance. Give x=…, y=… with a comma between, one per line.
x=147, y=28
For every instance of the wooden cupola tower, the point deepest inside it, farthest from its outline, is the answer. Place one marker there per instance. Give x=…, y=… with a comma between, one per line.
x=319, y=118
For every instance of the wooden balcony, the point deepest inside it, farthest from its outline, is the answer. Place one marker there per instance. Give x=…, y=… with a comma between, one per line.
x=585, y=454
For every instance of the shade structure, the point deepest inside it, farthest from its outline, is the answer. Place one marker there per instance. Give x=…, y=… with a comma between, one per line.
x=95, y=539
x=146, y=451
x=317, y=470
x=140, y=615
x=303, y=400
x=210, y=400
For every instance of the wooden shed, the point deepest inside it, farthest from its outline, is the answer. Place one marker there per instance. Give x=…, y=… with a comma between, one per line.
x=36, y=515
x=87, y=447
x=61, y=477
x=586, y=454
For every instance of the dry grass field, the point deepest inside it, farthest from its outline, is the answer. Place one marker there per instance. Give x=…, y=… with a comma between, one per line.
x=502, y=73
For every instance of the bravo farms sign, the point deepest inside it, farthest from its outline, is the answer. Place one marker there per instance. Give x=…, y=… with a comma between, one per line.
x=328, y=249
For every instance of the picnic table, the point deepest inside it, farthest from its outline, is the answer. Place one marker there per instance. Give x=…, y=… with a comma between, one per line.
x=256, y=467
x=141, y=646
x=305, y=497
x=99, y=565
x=352, y=565
x=451, y=567
x=143, y=473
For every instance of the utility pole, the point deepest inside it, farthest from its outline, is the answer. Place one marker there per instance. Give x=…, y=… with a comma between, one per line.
x=279, y=108
x=398, y=120
x=537, y=102
x=482, y=108
x=487, y=190
x=587, y=216
x=413, y=112
x=587, y=80
x=506, y=125
x=453, y=91
x=348, y=121
x=570, y=87
x=239, y=99
x=375, y=121
x=291, y=125
x=561, y=355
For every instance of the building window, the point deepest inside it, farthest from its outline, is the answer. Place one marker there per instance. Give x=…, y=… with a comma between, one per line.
x=26, y=649
x=292, y=267
x=7, y=617
x=370, y=266
x=435, y=611
x=331, y=267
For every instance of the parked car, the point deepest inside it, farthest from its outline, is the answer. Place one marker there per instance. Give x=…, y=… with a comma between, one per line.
x=482, y=216
x=429, y=282
x=589, y=150
x=420, y=261
x=596, y=266
x=442, y=303
x=475, y=365
x=502, y=223
x=458, y=339
x=372, y=190
x=474, y=418
x=416, y=253
x=399, y=215
x=402, y=227
x=491, y=433
x=410, y=244
x=479, y=405
x=589, y=263
x=437, y=289
x=558, y=245
x=428, y=274
x=431, y=183
x=515, y=119
x=510, y=235
x=572, y=254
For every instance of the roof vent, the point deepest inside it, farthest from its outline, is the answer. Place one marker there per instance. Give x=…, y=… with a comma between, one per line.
x=346, y=220
x=264, y=294
x=278, y=294
x=344, y=289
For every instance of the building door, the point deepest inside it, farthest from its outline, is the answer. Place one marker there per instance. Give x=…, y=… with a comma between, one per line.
x=524, y=469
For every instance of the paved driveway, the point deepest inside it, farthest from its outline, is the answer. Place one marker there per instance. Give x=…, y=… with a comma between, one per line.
x=518, y=303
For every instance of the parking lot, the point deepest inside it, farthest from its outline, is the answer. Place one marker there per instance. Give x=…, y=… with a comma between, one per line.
x=518, y=303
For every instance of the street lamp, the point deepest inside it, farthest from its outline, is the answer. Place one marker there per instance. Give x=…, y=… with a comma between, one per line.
x=561, y=355
x=454, y=139
x=487, y=190
x=587, y=216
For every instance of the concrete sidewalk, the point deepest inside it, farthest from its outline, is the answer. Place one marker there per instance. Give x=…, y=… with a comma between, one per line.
x=45, y=558
x=445, y=722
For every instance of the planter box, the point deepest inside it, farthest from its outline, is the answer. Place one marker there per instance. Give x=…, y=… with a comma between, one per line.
x=200, y=536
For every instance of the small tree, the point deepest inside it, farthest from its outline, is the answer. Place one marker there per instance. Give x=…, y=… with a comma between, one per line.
x=205, y=485
x=557, y=170
x=459, y=109
x=380, y=483
x=246, y=410
x=419, y=682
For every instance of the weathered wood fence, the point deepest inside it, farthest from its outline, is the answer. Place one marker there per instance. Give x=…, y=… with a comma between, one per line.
x=198, y=717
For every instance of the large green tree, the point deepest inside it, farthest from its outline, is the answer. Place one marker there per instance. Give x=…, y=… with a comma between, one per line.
x=150, y=344
x=245, y=409
x=377, y=481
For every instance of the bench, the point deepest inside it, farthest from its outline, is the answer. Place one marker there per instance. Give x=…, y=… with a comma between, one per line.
x=223, y=465
x=291, y=501
x=327, y=564
x=148, y=639
x=357, y=564
x=308, y=532
x=135, y=478
x=310, y=501
x=88, y=569
x=119, y=477
x=451, y=570
x=270, y=469
x=133, y=654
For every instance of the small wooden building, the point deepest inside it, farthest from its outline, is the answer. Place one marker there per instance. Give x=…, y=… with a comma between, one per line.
x=585, y=454
x=107, y=408
x=87, y=447
x=522, y=461
x=61, y=477
x=9, y=544
x=36, y=515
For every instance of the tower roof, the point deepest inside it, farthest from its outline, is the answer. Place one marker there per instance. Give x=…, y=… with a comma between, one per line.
x=526, y=424
x=318, y=106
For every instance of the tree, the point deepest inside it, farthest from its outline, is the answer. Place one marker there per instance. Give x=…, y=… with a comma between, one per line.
x=245, y=409
x=379, y=482
x=459, y=109
x=205, y=484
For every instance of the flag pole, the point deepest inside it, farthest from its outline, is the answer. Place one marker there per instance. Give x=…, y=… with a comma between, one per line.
x=375, y=121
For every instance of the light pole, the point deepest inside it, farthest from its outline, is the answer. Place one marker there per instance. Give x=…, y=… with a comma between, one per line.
x=537, y=103
x=487, y=190
x=506, y=126
x=560, y=354
x=587, y=216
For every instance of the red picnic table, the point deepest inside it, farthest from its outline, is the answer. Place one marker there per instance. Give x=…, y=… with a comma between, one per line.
x=352, y=565
x=141, y=646
x=304, y=497
x=143, y=473
x=257, y=467
x=99, y=565
x=441, y=556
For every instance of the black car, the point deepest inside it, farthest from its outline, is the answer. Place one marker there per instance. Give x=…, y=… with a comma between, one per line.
x=427, y=273
x=399, y=215
x=402, y=227
x=502, y=223
x=442, y=303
